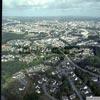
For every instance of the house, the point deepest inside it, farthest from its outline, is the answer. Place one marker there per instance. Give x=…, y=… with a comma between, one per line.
x=65, y=98
x=73, y=96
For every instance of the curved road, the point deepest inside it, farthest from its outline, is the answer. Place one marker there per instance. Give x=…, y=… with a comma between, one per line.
x=71, y=62
x=93, y=74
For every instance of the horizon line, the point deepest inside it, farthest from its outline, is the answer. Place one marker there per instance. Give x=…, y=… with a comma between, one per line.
x=55, y=16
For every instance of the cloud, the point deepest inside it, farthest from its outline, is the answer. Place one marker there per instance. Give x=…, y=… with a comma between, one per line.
x=63, y=7
x=92, y=0
x=52, y=4
x=26, y=3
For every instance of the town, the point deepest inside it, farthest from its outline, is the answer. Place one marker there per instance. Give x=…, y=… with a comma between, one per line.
x=52, y=60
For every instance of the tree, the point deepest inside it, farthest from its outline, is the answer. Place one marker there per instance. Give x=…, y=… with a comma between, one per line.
x=31, y=96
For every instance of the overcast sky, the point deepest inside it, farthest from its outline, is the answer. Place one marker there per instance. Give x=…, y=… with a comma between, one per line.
x=51, y=8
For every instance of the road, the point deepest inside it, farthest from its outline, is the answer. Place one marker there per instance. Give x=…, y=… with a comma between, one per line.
x=70, y=81
x=3, y=98
x=67, y=69
x=74, y=65
x=46, y=93
x=70, y=61
x=75, y=89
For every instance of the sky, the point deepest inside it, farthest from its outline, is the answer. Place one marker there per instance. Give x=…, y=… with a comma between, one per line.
x=90, y=8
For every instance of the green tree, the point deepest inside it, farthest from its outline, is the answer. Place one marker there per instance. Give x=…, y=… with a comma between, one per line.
x=31, y=96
